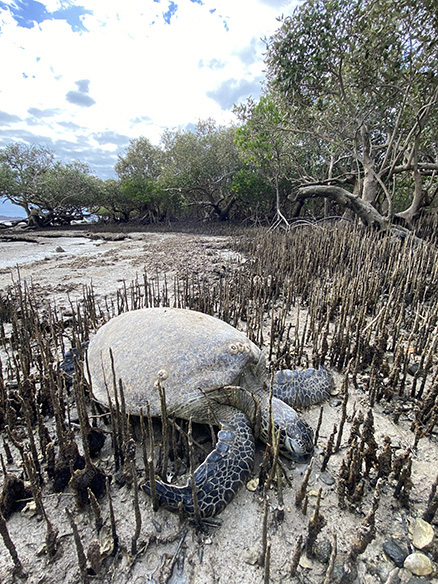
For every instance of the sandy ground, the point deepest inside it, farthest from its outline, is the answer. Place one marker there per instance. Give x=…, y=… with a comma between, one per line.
x=63, y=264
x=170, y=551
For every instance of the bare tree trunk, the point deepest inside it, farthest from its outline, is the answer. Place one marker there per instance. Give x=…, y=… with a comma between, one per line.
x=419, y=193
x=279, y=217
x=417, y=202
x=370, y=182
x=363, y=209
x=223, y=212
x=327, y=206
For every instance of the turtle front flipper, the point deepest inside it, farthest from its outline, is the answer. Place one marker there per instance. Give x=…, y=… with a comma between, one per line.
x=221, y=474
x=303, y=388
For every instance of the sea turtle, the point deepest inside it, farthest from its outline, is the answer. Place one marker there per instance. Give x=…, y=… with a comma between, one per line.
x=211, y=373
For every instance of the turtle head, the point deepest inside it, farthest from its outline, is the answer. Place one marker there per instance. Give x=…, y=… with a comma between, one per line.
x=297, y=441
x=296, y=437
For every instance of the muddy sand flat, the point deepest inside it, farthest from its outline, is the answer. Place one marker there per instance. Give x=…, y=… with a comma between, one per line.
x=58, y=268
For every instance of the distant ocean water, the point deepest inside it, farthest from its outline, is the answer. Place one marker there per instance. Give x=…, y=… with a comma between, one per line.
x=5, y=219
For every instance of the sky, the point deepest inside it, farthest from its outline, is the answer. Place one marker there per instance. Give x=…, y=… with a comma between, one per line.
x=85, y=77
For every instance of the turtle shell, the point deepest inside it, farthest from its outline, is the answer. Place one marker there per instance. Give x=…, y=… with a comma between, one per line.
x=188, y=352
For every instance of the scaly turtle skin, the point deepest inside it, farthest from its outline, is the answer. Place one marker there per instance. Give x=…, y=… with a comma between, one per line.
x=211, y=373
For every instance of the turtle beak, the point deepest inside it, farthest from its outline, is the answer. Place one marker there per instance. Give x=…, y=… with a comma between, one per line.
x=296, y=451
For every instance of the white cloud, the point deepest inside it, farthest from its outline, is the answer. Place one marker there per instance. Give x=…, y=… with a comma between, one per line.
x=145, y=70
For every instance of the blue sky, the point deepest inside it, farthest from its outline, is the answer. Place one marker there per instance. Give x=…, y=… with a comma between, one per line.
x=84, y=77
